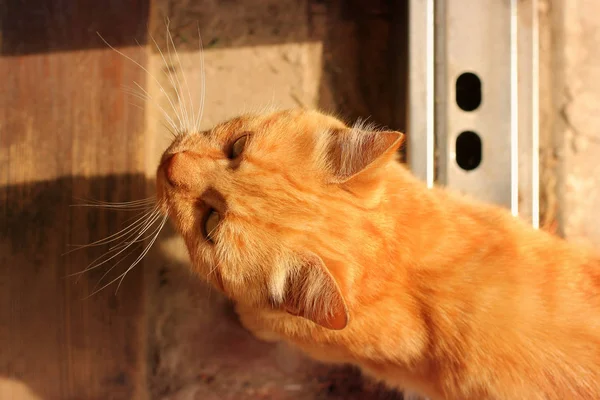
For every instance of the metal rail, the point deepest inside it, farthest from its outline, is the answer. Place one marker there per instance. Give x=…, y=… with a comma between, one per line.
x=473, y=99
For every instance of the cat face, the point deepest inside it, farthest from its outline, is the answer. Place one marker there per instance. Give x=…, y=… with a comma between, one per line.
x=259, y=199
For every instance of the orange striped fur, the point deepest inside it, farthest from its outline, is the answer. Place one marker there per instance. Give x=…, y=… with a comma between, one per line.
x=327, y=242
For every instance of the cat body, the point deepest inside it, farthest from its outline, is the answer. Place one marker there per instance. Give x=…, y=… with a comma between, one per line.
x=325, y=241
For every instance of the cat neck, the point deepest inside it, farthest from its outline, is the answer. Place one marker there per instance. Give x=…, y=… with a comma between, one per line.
x=434, y=226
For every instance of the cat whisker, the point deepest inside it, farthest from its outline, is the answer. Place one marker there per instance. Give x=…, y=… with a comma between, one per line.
x=94, y=291
x=79, y=274
x=210, y=272
x=136, y=216
x=126, y=207
x=170, y=129
x=175, y=82
x=123, y=246
x=99, y=261
x=123, y=232
x=137, y=261
x=213, y=269
x=94, y=264
x=148, y=200
x=188, y=119
x=198, y=121
x=192, y=118
x=127, y=241
x=146, y=98
x=143, y=254
x=184, y=106
x=180, y=115
x=162, y=89
x=143, y=94
x=209, y=234
x=109, y=207
x=147, y=225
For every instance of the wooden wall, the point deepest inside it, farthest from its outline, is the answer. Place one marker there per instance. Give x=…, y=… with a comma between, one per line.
x=66, y=131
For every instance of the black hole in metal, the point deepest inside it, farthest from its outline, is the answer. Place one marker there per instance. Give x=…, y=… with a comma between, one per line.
x=468, y=91
x=468, y=150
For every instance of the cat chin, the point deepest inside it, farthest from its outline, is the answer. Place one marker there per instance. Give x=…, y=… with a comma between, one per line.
x=407, y=393
x=410, y=395
x=248, y=321
x=264, y=335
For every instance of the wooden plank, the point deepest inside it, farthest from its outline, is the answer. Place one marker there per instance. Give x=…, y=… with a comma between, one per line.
x=67, y=130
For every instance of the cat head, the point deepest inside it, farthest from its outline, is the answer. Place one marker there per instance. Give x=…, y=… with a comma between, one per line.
x=271, y=205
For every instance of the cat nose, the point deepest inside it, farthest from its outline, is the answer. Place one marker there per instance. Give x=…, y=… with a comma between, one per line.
x=168, y=168
x=175, y=166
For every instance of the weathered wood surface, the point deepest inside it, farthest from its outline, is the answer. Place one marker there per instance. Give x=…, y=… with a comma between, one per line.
x=67, y=130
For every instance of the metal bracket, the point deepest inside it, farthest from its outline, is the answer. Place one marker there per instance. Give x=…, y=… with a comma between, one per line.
x=473, y=99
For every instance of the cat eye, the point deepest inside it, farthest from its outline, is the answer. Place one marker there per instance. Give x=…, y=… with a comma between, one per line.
x=211, y=221
x=238, y=146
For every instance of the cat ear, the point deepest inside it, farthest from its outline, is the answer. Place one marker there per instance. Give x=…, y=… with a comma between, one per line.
x=312, y=293
x=352, y=151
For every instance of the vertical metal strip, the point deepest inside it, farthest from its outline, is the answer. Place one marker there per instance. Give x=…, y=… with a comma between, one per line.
x=421, y=90
x=430, y=38
x=535, y=117
x=514, y=111
x=441, y=101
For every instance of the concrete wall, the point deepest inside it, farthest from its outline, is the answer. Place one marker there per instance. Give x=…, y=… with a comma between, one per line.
x=575, y=87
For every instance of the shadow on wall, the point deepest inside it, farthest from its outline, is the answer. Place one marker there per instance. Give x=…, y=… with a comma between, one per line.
x=196, y=346
x=70, y=25
x=55, y=339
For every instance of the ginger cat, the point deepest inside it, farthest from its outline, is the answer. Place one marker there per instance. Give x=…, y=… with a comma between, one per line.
x=325, y=241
